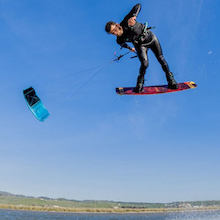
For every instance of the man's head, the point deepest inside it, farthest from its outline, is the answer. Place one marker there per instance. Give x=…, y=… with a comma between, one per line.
x=114, y=28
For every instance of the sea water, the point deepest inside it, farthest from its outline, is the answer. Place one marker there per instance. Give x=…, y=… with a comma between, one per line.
x=27, y=215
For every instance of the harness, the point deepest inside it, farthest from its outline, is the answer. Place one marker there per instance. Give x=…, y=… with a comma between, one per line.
x=142, y=36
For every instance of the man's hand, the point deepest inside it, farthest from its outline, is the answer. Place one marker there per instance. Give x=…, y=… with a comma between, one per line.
x=132, y=21
x=133, y=50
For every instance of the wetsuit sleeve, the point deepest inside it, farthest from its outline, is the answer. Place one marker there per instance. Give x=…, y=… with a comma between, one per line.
x=133, y=13
x=123, y=44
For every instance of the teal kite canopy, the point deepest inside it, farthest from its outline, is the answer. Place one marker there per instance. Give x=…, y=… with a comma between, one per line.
x=35, y=105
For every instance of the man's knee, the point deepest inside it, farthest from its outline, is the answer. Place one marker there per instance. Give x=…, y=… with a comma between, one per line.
x=144, y=64
x=163, y=63
x=162, y=60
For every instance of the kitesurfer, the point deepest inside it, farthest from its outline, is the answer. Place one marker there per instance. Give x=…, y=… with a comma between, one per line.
x=129, y=30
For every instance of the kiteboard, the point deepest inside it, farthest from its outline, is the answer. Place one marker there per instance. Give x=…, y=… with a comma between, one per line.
x=35, y=105
x=151, y=90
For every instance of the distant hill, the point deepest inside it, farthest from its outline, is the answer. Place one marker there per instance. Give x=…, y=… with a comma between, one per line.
x=21, y=200
x=5, y=194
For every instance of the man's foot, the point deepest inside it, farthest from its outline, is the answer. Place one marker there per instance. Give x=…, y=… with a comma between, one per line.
x=138, y=89
x=172, y=84
x=140, y=84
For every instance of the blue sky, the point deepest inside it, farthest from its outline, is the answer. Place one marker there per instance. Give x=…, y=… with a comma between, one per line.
x=96, y=144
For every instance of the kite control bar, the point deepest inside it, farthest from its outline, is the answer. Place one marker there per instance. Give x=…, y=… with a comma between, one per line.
x=122, y=55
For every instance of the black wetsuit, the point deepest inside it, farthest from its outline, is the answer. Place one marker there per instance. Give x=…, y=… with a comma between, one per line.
x=142, y=42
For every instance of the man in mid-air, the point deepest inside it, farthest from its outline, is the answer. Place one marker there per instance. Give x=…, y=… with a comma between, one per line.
x=129, y=30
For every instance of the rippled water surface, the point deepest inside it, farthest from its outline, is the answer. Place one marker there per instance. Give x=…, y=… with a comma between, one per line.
x=27, y=215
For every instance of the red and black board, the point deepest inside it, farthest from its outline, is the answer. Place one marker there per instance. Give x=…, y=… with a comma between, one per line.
x=151, y=90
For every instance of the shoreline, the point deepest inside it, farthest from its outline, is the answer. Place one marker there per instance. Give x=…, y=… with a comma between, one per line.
x=104, y=210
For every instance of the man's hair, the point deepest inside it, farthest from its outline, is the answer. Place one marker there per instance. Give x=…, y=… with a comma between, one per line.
x=108, y=26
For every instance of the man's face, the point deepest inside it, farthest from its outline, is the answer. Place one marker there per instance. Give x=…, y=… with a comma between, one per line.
x=116, y=30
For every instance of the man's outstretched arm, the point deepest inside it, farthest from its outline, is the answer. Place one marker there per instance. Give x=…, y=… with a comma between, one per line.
x=133, y=13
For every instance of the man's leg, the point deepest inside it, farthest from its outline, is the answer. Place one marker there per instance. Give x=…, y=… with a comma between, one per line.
x=156, y=48
x=142, y=55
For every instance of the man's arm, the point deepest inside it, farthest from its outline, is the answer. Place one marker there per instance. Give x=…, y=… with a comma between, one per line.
x=124, y=45
x=133, y=13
